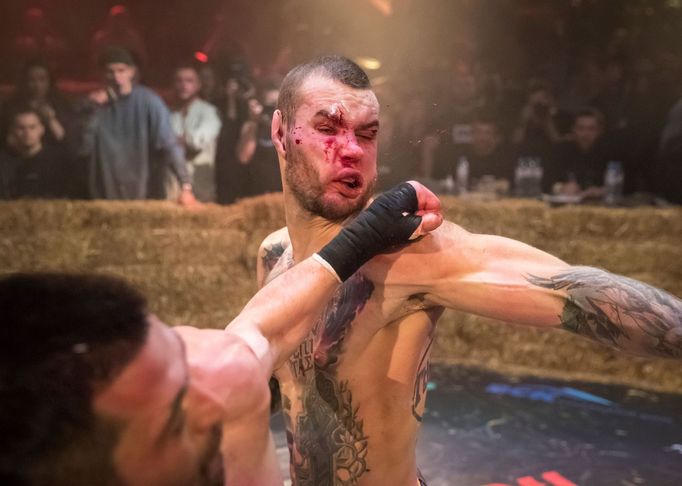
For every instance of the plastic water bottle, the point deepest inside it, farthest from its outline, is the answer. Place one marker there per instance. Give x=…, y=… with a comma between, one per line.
x=518, y=176
x=535, y=173
x=449, y=184
x=521, y=177
x=462, y=175
x=613, y=183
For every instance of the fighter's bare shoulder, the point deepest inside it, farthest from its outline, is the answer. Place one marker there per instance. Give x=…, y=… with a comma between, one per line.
x=277, y=237
x=415, y=264
x=270, y=253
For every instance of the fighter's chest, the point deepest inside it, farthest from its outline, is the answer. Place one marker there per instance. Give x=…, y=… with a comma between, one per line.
x=347, y=326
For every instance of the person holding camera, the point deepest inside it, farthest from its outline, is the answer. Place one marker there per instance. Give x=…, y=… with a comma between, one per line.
x=255, y=148
x=237, y=89
x=539, y=128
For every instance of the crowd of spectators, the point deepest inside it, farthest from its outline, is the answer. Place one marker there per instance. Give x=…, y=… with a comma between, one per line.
x=206, y=136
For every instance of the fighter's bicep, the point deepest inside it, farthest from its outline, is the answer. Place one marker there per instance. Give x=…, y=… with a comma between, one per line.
x=488, y=275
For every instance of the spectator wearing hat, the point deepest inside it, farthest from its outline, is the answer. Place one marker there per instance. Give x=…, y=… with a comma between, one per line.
x=128, y=137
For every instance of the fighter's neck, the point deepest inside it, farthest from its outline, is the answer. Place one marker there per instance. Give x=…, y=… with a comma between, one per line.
x=308, y=233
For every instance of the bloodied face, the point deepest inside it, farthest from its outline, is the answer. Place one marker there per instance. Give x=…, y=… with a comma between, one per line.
x=331, y=148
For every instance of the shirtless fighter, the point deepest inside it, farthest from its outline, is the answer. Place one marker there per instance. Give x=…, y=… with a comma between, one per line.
x=94, y=390
x=353, y=393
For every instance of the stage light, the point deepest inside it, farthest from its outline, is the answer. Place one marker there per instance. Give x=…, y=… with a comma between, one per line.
x=369, y=63
x=118, y=10
x=201, y=56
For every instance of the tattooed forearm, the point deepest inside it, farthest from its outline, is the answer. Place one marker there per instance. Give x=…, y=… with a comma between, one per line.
x=618, y=311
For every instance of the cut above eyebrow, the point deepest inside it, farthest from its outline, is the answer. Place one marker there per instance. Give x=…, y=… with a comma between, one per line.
x=325, y=114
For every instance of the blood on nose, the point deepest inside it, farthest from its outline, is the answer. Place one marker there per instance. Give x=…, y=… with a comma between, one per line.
x=350, y=151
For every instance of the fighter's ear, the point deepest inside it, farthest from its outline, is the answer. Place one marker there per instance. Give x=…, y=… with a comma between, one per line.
x=277, y=132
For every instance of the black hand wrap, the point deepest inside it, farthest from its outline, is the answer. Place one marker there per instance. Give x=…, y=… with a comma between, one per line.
x=377, y=229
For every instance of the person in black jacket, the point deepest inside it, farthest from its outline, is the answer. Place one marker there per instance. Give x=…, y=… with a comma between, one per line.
x=30, y=168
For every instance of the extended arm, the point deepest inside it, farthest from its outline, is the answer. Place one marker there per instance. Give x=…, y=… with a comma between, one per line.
x=508, y=280
x=246, y=146
x=283, y=312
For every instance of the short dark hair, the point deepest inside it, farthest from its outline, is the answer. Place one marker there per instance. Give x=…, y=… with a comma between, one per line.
x=63, y=337
x=337, y=68
x=193, y=66
x=24, y=110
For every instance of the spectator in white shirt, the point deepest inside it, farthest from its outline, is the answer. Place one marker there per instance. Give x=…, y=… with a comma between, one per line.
x=197, y=124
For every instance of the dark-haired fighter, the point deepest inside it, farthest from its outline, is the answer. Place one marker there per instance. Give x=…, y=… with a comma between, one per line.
x=95, y=390
x=353, y=394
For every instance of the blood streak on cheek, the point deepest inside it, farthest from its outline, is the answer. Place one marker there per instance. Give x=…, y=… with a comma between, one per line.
x=329, y=149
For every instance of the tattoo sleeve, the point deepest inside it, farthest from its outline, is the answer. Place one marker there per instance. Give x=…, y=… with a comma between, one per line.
x=618, y=311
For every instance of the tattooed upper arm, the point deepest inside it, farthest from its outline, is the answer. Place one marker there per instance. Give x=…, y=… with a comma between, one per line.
x=618, y=311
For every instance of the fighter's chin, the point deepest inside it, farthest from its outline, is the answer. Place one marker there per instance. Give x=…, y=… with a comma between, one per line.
x=339, y=204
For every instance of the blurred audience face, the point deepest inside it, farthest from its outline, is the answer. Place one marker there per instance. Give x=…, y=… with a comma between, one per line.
x=187, y=84
x=270, y=98
x=614, y=73
x=120, y=77
x=27, y=132
x=208, y=81
x=464, y=84
x=542, y=103
x=37, y=82
x=485, y=138
x=171, y=431
x=587, y=129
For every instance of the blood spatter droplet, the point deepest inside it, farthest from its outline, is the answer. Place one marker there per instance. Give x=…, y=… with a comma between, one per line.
x=298, y=141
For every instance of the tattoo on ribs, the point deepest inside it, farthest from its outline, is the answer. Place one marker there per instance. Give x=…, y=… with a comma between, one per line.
x=618, y=311
x=422, y=379
x=328, y=445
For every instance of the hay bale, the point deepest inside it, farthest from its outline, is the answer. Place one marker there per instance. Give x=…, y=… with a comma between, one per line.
x=198, y=267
